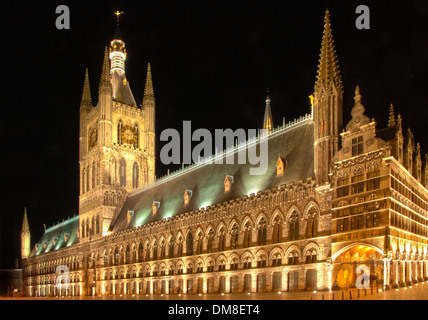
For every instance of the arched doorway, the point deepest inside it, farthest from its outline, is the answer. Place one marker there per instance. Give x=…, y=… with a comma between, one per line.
x=347, y=260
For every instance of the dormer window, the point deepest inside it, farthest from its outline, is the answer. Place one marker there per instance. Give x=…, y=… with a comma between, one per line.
x=357, y=146
x=187, y=196
x=280, y=166
x=55, y=240
x=45, y=244
x=129, y=216
x=66, y=236
x=228, y=183
x=155, y=206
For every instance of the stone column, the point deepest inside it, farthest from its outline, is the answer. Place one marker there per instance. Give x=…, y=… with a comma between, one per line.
x=386, y=274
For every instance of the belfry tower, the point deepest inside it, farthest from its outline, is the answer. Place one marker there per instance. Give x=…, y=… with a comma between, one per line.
x=117, y=141
x=328, y=106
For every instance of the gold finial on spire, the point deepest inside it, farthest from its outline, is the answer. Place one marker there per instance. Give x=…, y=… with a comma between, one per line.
x=118, y=13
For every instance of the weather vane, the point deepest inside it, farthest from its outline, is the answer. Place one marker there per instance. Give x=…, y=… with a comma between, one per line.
x=118, y=13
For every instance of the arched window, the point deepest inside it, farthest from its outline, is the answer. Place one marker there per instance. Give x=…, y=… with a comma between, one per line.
x=277, y=230
x=189, y=244
x=234, y=236
x=261, y=236
x=135, y=173
x=247, y=235
x=222, y=239
x=155, y=251
x=116, y=257
x=122, y=173
x=276, y=260
x=97, y=224
x=83, y=229
x=311, y=256
x=88, y=232
x=127, y=255
x=140, y=252
x=147, y=258
x=171, y=248
x=210, y=241
x=162, y=250
x=119, y=132
x=87, y=179
x=199, y=244
x=312, y=224
x=294, y=227
x=293, y=258
x=94, y=174
x=112, y=171
x=180, y=247
x=105, y=259
x=83, y=180
x=137, y=133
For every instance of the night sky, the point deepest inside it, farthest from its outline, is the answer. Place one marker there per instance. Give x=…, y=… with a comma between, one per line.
x=211, y=63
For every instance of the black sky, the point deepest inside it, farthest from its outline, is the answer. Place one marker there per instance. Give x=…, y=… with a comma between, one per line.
x=211, y=63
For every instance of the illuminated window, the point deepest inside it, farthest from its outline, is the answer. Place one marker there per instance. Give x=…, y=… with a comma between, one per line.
x=342, y=187
x=357, y=146
x=122, y=173
x=357, y=184
x=373, y=182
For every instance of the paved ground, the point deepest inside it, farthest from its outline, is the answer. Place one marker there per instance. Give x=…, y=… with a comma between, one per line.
x=416, y=292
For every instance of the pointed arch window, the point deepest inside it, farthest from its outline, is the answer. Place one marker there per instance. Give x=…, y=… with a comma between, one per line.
x=135, y=174
x=210, y=241
x=180, y=247
x=293, y=258
x=312, y=224
x=140, y=252
x=199, y=245
x=97, y=224
x=234, y=236
x=261, y=235
x=127, y=255
x=247, y=235
x=116, y=257
x=122, y=173
x=294, y=227
x=171, y=248
x=87, y=179
x=189, y=244
x=94, y=174
x=222, y=239
x=277, y=230
x=155, y=251
x=162, y=250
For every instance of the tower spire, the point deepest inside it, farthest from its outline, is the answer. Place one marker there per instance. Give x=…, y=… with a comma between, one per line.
x=267, y=121
x=391, y=121
x=86, y=95
x=148, y=89
x=328, y=68
x=105, y=73
x=25, y=237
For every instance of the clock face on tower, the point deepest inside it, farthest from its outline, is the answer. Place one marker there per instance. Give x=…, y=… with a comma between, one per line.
x=93, y=136
x=129, y=135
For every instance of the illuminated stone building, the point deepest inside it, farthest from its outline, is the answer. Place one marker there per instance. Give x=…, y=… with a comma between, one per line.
x=333, y=198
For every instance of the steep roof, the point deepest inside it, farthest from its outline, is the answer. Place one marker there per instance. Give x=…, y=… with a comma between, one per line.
x=121, y=89
x=293, y=143
x=53, y=238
